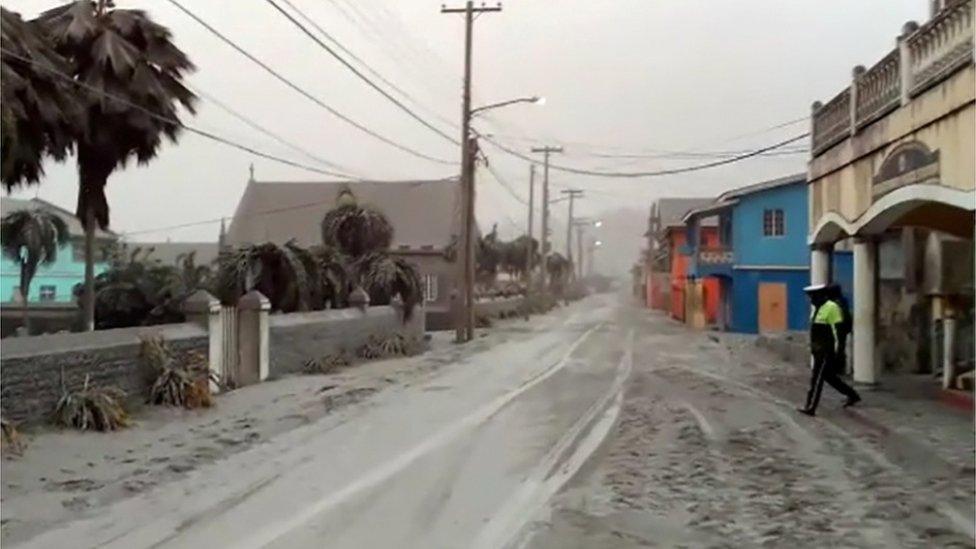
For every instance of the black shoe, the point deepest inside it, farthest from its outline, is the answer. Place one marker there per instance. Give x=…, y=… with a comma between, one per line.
x=807, y=411
x=851, y=401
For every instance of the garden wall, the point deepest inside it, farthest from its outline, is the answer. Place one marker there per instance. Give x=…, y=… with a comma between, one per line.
x=495, y=307
x=297, y=337
x=33, y=368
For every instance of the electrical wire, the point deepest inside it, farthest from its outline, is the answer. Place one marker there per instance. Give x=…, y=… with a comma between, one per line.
x=356, y=71
x=243, y=118
x=305, y=93
x=366, y=66
x=634, y=175
x=175, y=121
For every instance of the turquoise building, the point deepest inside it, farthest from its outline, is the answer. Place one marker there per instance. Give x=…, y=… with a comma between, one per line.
x=52, y=283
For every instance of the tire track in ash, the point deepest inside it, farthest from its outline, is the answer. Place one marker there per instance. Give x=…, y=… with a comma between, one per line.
x=899, y=512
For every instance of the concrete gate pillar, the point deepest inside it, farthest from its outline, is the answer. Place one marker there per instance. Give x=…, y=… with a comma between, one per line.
x=253, y=338
x=865, y=292
x=203, y=309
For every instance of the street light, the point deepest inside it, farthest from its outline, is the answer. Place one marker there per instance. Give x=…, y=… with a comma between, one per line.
x=465, y=323
x=598, y=243
x=597, y=223
x=535, y=100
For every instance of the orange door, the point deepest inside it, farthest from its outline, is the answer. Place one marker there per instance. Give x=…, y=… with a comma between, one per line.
x=772, y=307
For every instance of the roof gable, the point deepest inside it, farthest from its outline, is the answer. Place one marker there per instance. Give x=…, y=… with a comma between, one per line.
x=424, y=214
x=75, y=228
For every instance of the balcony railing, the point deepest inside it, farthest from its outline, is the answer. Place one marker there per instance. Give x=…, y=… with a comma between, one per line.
x=879, y=89
x=941, y=46
x=925, y=56
x=832, y=122
x=719, y=255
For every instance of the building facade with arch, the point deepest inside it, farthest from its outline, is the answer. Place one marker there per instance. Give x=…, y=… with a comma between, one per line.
x=892, y=177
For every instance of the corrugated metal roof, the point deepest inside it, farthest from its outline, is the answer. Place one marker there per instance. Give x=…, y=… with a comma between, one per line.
x=764, y=186
x=673, y=210
x=423, y=213
x=8, y=205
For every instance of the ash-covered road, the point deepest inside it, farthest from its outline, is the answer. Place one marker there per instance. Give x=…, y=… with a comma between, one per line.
x=598, y=426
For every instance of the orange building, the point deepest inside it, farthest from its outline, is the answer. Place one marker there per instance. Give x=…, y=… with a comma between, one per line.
x=666, y=264
x=694, y=301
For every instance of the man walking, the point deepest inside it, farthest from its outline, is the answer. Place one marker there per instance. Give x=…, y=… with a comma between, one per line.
x=835, y=294
x=825, y=327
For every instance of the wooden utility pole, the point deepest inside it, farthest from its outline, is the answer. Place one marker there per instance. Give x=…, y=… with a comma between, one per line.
x=528, y=242
x=572, y=194
x=579, y=249
x=546, y=151
x=465, y=328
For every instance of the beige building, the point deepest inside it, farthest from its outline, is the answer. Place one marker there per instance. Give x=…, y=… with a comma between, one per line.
x=425, y=216
x=892, y=175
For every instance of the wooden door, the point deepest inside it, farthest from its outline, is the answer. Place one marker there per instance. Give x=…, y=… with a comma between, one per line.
x=772, y=307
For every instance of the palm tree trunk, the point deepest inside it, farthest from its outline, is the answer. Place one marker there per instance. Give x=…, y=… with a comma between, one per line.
x=88, y=299
x=25, y=295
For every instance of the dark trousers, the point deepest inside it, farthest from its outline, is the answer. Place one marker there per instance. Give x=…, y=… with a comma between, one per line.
x=826, y=369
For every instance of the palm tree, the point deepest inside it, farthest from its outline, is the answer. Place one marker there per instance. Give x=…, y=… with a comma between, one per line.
x=133, y=75
x=356, y=229
x=384, y=276
x=37, y=108
x=361, y=236
x=32, y=238
x=558, y=268
x=278, y=272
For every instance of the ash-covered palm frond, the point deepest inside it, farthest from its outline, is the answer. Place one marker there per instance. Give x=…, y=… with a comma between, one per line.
x=278, y=272
x=333, y=275
x=39, y=111
x=356, y=229
x=384, y=276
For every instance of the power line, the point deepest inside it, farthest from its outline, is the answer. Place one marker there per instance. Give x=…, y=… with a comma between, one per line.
x=304, y=93
x=504, y=183
x=356, y=71
x=243, y=118
x=366, y=65
x=175, y=121
x=620, y=175
x=622, y=152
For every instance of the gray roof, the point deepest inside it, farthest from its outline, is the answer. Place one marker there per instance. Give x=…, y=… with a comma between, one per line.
x=424, y=214
x=763, y=186
x=169, y=252
x=8, y=205
x=730, y=198
x=672, y=210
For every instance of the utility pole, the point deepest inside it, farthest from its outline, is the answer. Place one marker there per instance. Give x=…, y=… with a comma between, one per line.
x=528, y=242
x=579, y=249
x=546, y=151
x=572, y=194
x=465, y=328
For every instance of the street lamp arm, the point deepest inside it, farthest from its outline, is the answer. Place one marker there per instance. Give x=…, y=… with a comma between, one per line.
x=533, y=99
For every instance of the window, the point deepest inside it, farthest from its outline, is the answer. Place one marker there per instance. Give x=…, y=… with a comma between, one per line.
x=774, y=223
x=48, y=293
x=430, y=288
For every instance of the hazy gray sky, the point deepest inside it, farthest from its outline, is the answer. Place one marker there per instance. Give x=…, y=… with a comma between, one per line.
x=624, y=75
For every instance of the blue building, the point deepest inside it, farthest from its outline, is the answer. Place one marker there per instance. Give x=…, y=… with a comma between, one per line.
x=52, y=283
x=762, y=259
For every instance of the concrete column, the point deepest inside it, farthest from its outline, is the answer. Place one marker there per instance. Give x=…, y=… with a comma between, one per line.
x=865, y=276
x=948, y=351
x=819, y=264
x=253, y=340
x=203, y=309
